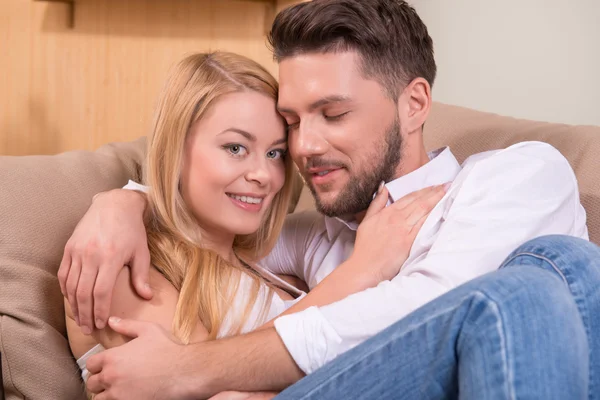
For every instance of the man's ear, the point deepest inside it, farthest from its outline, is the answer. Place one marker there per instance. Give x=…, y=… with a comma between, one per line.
x=414, y=105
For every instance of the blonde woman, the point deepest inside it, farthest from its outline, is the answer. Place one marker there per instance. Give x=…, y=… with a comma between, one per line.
x=221, y=184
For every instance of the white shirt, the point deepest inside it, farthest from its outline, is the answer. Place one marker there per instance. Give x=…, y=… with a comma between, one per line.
x=498, y=200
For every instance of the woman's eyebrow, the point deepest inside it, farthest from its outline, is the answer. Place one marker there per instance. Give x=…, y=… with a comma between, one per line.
x=242, y=132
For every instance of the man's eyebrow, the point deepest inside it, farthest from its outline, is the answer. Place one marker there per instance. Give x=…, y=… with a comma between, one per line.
x=319, y=103
x=242, y=132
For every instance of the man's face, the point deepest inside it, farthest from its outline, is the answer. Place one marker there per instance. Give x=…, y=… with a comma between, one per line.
x=344, y=132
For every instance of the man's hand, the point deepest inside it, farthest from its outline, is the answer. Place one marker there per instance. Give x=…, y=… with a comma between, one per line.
x=145, y=368
x=110, y=235
x=386, y=234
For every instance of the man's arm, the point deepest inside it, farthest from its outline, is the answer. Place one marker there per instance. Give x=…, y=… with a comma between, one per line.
x=253, y=362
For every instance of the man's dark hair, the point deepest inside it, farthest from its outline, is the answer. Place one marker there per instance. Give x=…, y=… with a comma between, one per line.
x=390, y=37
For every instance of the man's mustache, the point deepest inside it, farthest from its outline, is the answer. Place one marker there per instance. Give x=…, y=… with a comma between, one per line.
x=322, y=162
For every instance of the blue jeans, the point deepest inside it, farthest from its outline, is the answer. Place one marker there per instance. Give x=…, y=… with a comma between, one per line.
x=530, y=330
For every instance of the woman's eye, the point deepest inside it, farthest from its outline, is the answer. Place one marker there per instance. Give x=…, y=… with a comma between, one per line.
x=236, y=149
x=276, y=154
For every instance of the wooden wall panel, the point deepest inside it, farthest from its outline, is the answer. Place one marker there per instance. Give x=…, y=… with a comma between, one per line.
x=77, y=87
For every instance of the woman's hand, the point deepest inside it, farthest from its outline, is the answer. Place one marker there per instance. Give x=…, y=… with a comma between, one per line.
x=386, y=234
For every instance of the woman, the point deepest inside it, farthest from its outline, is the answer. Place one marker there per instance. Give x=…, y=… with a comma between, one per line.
x=221, y=184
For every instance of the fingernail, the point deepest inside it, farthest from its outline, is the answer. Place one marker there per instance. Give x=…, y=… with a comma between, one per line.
x=99, y=323
x=447, y=186
x=381, y=186
x=86, y=330
x=114, y=320
x=147, y=286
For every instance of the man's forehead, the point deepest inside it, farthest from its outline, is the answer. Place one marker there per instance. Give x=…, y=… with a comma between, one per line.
x=314, y=77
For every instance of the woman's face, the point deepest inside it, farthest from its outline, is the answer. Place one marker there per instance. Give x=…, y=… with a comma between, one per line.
x=234, y=164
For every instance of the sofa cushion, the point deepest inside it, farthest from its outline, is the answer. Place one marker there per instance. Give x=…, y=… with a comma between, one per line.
x=41, y=200
x=467, y=132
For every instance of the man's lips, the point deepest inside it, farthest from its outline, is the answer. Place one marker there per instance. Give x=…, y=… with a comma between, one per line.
x=321, y=170
x=322, y=175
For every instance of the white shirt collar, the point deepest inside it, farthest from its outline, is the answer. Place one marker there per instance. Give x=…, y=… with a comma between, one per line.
x=441, y=168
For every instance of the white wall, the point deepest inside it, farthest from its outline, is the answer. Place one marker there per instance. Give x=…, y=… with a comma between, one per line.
x=536, y=59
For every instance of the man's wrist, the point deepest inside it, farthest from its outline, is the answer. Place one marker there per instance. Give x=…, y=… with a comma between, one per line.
x=207, y=368
x=131, y=199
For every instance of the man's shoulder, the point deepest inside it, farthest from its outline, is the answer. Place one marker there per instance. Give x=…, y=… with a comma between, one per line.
x=531, y=167
x=525, y=151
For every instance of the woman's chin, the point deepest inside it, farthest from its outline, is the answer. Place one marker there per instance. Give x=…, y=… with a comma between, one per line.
x=244, y=229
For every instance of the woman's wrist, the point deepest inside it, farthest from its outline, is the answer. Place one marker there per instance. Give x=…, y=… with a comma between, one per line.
x=361, y=272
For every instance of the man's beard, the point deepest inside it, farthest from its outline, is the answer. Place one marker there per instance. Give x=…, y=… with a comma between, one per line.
x=358, y=192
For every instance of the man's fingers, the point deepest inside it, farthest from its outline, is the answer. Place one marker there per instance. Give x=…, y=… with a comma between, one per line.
x=129, y=327
x=95, y=363
x=378, y=202
x=85, y=304
x=140, y=273
x=95, y=385
x=63, y=271
x=105, y=282
x=72, y=281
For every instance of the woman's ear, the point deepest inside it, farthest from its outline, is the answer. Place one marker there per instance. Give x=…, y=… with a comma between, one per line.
x=414, y=105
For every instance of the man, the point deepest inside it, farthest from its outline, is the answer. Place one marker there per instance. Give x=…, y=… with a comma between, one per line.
x=356, y=80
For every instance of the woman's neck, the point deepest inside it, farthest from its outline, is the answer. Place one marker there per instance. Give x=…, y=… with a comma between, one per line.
x=220, y=244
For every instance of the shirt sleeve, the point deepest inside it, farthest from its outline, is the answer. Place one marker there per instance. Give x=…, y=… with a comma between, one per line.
x=515, y=195
x=289, y=256
x=131, y=185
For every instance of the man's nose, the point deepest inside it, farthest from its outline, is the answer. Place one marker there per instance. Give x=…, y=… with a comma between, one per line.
x=307, y=142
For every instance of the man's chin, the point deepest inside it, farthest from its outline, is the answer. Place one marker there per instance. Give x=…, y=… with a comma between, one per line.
x=328, y=205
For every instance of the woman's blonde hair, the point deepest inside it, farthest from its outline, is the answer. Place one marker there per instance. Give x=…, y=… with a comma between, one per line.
x=205, y=280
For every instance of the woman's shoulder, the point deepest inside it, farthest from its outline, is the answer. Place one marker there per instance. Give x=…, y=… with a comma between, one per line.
x=126, y=303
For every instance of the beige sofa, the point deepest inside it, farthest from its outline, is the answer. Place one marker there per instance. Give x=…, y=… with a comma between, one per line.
x=43, y=197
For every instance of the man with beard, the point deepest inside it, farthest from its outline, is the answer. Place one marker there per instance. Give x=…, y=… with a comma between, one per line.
x=355, y=90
